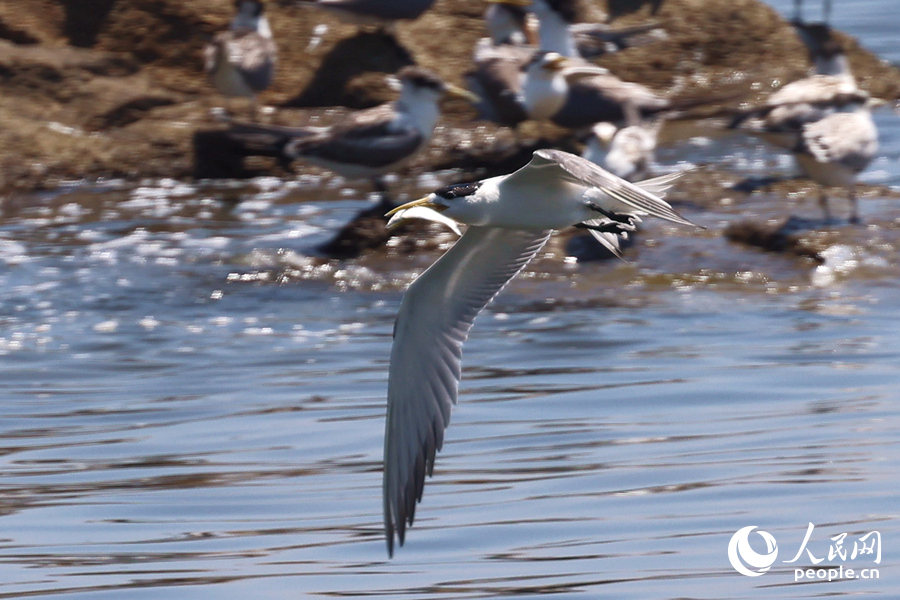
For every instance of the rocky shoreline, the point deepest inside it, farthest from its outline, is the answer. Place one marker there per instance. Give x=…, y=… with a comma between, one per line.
x=118, y=91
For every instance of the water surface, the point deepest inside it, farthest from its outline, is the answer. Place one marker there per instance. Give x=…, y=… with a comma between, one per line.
x=193, y=402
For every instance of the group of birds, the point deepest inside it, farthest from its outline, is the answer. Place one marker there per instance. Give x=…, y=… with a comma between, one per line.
x=548, y=74
x=519, y=74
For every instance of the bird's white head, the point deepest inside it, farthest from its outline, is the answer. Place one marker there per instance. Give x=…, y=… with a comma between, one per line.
x=605, y=132
x=506, y=21
x=544, y=88
x=420, y=92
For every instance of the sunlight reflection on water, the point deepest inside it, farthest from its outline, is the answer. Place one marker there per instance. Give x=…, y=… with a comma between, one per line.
x=193, y=405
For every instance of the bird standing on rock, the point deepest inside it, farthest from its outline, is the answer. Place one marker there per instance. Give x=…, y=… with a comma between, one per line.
x=372, y=142
x=587, y=100
x=824, y=120
x=241, y=61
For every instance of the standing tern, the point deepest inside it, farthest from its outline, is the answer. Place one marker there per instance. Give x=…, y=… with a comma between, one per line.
x=498, y=60
x=824, y=120
x=372, y=142
x=626, y=152
x=509, y=219
x=585, y=100
x=241, y=60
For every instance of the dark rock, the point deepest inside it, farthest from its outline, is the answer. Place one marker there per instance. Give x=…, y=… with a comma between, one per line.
x=785, y=237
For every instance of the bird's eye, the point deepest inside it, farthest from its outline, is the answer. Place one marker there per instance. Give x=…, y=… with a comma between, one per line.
x=458, y=190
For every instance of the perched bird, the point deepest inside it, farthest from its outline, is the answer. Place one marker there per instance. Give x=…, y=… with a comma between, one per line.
x=509, y=219
x=559, y=32
x=627, y=152
x=498, y=60
x=506, y=22
x=824, y=120
x=546, y=82
x=587, y=100
x=241, y=61
x=380, y=12
x=594, y=40
x=576, y=94
x=835, y=149
x=371, y=142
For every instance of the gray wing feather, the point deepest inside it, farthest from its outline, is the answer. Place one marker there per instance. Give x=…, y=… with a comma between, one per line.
x=587, y=173
x=252, y=54
x=434, y=319
x=372, y=137
x=850, y=139
x=497, y=81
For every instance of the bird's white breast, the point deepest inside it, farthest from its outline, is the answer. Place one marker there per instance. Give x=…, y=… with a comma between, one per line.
x=533, y=202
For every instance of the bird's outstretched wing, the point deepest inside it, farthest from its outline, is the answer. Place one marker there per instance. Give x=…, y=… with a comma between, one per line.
x=434, y=319
x=587, y=173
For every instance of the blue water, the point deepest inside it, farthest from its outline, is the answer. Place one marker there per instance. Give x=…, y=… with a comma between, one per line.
x=193, y=405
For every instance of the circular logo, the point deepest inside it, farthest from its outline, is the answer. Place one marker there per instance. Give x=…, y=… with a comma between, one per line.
x=744, y=559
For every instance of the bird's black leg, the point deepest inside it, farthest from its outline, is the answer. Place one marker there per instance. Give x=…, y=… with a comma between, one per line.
x=854, y=208
x=823, y=202
x=613, y=227
x=619, y=218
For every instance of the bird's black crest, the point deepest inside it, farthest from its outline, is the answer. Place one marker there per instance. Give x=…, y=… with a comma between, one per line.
x=819, y=39
x=458, y=190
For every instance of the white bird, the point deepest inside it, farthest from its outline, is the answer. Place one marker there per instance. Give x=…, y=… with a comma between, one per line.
x=241, y=61
x=559, y=32
x=546, y=81
x=835, y=149
x=509, y=219
x=501, y=59
x=627, y=152
x=498, y=60
x=371, y=142
x=506, y=22
x=587, y=98
x=825, y=120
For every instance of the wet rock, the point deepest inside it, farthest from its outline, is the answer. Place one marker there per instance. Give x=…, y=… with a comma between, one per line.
x=788, y=236
x=114, y=88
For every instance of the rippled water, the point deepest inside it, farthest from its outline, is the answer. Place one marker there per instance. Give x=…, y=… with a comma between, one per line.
x=193, y=404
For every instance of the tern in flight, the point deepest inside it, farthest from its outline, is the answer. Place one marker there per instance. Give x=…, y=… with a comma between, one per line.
x=509, y=219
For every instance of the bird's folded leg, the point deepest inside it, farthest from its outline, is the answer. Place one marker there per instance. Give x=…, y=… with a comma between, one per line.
x=613, y=216
x=610, y=227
